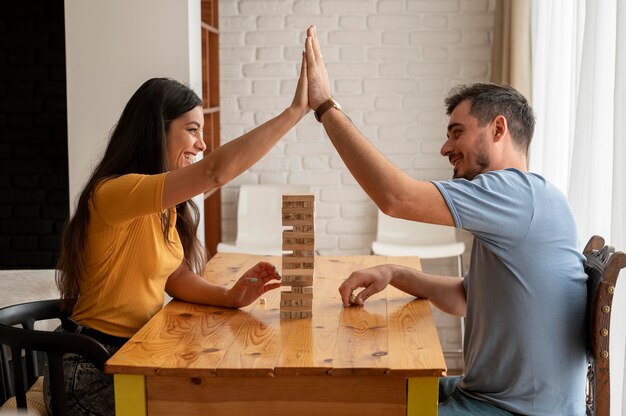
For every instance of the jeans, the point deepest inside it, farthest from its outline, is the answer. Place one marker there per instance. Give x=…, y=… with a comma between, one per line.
x=88, y=390
x=452, y=402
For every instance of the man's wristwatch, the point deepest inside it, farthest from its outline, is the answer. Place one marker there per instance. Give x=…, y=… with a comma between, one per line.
x=324, y=107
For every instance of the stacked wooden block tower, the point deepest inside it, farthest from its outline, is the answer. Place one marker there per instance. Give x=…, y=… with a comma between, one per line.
x=298, y=266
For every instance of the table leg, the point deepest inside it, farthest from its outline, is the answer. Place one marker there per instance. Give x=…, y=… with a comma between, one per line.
x=130, y=395
x=422, y=397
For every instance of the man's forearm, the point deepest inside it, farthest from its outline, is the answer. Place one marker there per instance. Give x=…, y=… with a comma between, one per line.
x=370, y=168
x=392, y=190
x=445, y=292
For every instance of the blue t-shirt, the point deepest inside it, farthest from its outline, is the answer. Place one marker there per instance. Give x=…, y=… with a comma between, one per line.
x=524, y=346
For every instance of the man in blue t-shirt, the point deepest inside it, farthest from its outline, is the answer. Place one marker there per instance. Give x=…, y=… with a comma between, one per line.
x=524, y=294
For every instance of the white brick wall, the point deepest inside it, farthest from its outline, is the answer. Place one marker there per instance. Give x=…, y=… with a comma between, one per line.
x=391, y=63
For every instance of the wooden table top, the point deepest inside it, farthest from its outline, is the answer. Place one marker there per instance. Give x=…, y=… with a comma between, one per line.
x=393, y=333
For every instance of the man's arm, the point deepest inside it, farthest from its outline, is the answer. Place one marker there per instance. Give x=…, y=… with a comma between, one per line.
x=445, y=292
x=393, y=191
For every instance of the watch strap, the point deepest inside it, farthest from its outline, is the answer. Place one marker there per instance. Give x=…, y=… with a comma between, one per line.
x=324, y=107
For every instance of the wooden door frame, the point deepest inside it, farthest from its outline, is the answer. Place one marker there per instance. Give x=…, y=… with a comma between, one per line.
x=211, y=110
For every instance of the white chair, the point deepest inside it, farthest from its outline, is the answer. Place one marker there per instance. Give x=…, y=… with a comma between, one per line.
x=259, y=219
x=398, y=237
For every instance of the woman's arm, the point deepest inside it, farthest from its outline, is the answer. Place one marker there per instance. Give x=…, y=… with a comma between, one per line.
x=233, y=158
x=185, y=285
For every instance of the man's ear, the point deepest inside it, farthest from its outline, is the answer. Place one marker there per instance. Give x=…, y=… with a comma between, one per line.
x=500, y=127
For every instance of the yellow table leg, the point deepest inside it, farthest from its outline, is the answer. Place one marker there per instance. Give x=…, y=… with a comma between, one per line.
x=423, y=396
x=130, y=395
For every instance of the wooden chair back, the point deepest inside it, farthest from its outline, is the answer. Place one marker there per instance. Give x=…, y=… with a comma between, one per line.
x=603, y=267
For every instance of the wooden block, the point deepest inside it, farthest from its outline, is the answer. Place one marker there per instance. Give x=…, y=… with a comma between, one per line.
x=291, y=258
x=298, y=198
x=295, y=274
x=310, y=255
x=302, y=281
x=306, y=247
x=298, y=309
x=296, y=313
x=306, y=228
x=299, y=204
x=305, y=243
x=295, y=259
x=298, y=212
x=296, y=220
x=303, y=262
x=298, y=241
x=299, y=250
x=295, y=295
x=299, y=280
x=296, y=281
x=294, y=234
x=295, y=300
x=352, y=299
x=291, y=269
x=299, y=286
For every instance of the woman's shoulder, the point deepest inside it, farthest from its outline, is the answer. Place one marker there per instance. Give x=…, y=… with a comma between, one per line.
x=128, y=181
x=128, y=196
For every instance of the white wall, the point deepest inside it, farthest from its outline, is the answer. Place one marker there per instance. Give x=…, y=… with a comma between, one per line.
x=391, y=63
x=112, y=47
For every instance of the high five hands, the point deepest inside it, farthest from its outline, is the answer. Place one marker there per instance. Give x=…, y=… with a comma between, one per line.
x=319, y=86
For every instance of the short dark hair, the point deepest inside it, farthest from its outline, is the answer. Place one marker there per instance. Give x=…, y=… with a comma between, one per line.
x=491, y=100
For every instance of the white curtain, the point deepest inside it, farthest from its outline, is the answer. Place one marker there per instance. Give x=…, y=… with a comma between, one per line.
x=579, y=95
x=618, y=218
x=556, y=38
x=578, y=71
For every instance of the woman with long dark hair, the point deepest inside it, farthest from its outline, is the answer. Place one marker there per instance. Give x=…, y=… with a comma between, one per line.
x=133, y=234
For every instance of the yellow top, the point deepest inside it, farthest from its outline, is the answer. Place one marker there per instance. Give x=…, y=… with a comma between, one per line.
x=127, y=260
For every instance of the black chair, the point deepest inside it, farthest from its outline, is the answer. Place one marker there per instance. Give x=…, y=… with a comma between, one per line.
x=602, y=266
x=54, y=343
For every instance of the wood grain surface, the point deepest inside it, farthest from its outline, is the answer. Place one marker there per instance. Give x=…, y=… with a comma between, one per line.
x=392, y=333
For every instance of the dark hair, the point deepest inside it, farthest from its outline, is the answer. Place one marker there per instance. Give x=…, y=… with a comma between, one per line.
x=491, y=100
x=136, y=145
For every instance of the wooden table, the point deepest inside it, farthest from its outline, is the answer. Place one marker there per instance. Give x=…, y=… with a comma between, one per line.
x=383, y=358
